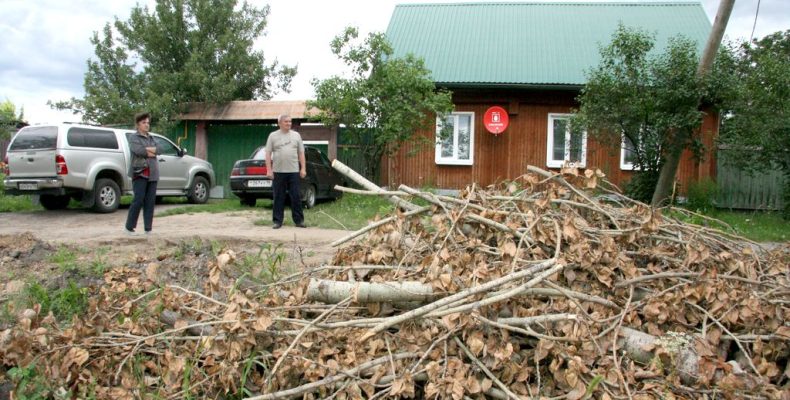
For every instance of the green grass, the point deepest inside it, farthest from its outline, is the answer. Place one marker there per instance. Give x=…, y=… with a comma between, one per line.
x=759, y=226
x=99, y=265
x=212, y=206
x=65, y=259
x=352, y=211
x=64, y=302
x=29, y=384
x=15, y=203
x=266, y=266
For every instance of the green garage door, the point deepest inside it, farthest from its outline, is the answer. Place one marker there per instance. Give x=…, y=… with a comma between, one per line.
x=228, y=143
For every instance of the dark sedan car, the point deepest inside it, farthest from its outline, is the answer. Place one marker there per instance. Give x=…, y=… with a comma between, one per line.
x=249, y=182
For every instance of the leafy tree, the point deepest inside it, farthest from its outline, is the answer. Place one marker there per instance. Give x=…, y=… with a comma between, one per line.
x=757, y=125
x=182, y=51
x=9, y=119
x=384, y=103
x=114, y=91
x=653, y=100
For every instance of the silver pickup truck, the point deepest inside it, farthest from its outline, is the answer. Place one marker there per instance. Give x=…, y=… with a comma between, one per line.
x=61, y=162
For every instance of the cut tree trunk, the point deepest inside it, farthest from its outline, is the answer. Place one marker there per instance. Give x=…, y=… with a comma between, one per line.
x=663, y=192
x=333, y=292
x=639, y=347
x=362, y=181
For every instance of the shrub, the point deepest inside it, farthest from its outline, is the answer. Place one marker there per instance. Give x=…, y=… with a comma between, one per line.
x=702, y=195
x=642, y=185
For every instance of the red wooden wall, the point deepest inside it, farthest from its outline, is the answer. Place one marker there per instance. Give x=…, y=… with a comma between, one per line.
x=507, y=155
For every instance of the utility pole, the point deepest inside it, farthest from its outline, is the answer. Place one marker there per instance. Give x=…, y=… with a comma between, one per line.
x=669, y=169
x=716, y=34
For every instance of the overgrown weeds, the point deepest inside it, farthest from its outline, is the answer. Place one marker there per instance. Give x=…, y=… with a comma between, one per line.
x=265, y=266
x=62, y=302
x=66, y=259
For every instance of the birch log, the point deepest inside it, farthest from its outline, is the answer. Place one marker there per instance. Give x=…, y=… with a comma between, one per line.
x=538, y=319
x=638, y=346
x=332, y=292
x=382, y=192
x=359, y=179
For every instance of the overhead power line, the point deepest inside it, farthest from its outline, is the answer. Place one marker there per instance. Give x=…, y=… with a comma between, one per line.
x=755, y=21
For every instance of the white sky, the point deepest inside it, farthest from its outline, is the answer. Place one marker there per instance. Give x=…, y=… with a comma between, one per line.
x=45, y=43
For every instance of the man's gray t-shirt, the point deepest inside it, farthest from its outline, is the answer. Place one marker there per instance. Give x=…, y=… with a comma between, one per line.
x=285, y=149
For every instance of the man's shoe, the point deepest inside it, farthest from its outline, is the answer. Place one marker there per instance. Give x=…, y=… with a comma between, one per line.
x=277, y=226
x=130, y=232
x=301, y=225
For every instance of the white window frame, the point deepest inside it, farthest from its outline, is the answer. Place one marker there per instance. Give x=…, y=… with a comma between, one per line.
x=454, y=160
x=552, y=163
x=624, y=165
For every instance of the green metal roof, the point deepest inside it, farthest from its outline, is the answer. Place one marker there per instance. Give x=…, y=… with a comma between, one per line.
x=534, y=43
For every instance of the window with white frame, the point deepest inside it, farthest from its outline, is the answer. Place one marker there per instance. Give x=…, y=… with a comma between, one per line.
x=455, y=138
x=565, y=143
x=627, y=154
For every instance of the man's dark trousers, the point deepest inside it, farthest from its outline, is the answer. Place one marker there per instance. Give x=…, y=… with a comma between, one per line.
x=287, y=182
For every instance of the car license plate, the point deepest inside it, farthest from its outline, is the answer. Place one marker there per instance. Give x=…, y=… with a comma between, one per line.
x=259, y=184
x=28, y=186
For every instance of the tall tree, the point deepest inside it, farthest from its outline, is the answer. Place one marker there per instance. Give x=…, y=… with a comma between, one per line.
x=114, y=90
x=385, y=101
x=182, y=51
x=672, y=155
x=757, y=124
x=651, y=99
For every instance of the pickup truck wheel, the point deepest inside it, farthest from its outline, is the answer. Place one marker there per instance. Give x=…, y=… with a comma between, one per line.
x=54, y=202
x=309, y=197
x=107, y=196
x=198, y=193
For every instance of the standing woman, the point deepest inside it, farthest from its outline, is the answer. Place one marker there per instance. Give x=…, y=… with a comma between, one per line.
x=144, y=171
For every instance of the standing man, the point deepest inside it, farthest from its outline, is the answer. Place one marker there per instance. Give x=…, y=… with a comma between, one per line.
x=144, y=171
x=286, y=148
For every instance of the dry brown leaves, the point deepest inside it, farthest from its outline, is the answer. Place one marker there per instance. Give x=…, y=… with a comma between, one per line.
x=623, y=265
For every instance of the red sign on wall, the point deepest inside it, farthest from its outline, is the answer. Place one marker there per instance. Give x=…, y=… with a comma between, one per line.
x=496, y=120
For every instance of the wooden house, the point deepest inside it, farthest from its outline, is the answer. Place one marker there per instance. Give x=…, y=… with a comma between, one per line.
x=530, y=60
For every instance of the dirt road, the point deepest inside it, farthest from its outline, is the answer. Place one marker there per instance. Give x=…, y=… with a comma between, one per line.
x=84, y=228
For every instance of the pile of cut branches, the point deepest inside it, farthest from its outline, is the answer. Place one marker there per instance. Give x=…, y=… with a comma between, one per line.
x=553, y=285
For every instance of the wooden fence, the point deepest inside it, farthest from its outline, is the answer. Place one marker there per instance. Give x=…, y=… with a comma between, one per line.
x=737, y=189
